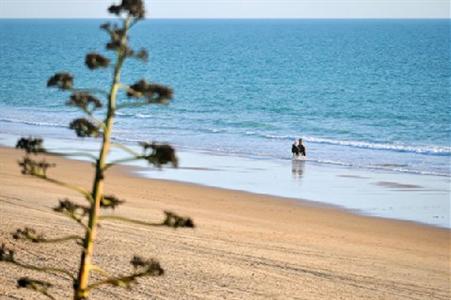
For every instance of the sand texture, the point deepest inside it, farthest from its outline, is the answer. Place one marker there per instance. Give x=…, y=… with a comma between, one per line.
x=245, y=246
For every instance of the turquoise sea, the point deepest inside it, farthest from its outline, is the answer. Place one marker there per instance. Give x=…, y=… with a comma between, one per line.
x=366, y=95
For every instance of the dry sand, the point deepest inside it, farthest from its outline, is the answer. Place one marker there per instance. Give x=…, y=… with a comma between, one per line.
x=245, y=246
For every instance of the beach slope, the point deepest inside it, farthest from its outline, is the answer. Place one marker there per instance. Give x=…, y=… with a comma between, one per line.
x=245, y=246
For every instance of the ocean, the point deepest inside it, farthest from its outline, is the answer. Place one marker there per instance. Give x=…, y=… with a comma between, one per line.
x=363, y=94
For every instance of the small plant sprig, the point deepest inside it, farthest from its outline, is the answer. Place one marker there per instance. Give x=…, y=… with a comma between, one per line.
x=89, y=215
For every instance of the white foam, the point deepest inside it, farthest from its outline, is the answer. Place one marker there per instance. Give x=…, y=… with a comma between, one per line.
x=33, y=123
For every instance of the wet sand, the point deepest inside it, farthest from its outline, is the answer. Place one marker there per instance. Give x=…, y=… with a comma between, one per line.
x=245, y=246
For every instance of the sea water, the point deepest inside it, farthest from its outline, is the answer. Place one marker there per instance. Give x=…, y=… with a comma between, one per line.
x=363, y=94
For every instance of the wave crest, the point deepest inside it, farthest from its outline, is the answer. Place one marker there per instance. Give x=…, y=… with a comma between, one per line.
x=33, y=123
x=427, y=149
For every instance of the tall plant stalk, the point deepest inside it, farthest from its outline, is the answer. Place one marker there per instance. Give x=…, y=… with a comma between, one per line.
x=90, y=216
x=98, y=185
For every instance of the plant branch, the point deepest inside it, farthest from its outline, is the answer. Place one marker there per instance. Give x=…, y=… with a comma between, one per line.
x=124, y=160
x=31, y=235
x=35, y=285
x=76, y=219
x=62, y=239
x=99, y=270
x=94, y=119
x=133, y=23
x=116, y=281
x=128, y=220
x=80, y=154
x=125, y=148
x=124, y=86
x=142, y=267
x=171, y=220
x=44, y=269
x=76, y=188
x=89, y=90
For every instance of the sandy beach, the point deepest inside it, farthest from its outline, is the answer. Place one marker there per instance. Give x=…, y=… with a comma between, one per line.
x=245, y=246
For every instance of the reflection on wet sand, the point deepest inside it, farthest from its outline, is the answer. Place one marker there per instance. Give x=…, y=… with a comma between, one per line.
x=297, y=168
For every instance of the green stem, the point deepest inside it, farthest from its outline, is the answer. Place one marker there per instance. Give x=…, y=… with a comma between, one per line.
x=127, y=220
x=126, y=149
x=82, y=291
x=124, y=160
x=67, y=185
x=88, y=90
x=61, y=239
x=76, y=219
x=117, y=281
x=99, y=270
x=44, y=269
x=80, y=154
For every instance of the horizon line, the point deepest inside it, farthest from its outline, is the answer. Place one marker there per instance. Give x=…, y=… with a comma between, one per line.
x=229, y=18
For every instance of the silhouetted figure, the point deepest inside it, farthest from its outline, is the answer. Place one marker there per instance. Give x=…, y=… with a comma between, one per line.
x=301, y=148
x=295, y=149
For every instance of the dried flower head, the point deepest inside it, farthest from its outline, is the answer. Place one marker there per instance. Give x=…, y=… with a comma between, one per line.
x=159, y=154
x=6, y=254
x=154, y=93
x=34, y=168
x=64, y=81
x=142, y=54
x=84, y=128
x=85, y=101
x=118, y=38
x=28, y=234
x=71, y=209
x=36, y=285
x=30, y=145
x=175, y=221
x=116, y=41
x=94, y=61
x=110, y=201
x=106, y=26
x=134, y=8
x=26, y=282
x=148, y=266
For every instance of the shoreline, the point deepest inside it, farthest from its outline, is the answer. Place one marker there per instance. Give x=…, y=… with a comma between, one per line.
x=244, y=246
x=133, y=170
x=411, y=197
x=56, y=133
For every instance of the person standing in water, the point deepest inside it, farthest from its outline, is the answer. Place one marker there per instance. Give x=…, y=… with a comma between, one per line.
x=298, y=149
x=301, y=147
x=295, y=149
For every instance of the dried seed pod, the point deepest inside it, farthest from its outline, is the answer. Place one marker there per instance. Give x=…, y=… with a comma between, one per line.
x=134, y=8
x=63, y=81
x=154, y=93
x=148, y=266
x=110, y=201
x=30, y=145
x=84, y=128
x=159, y=154
x=6, y=254
x=94, y=61
x=142, y=55
x=34, y=168
x=175, y=221
x=85, y=101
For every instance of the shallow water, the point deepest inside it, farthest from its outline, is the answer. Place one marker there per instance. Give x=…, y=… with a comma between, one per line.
x=381, y=193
